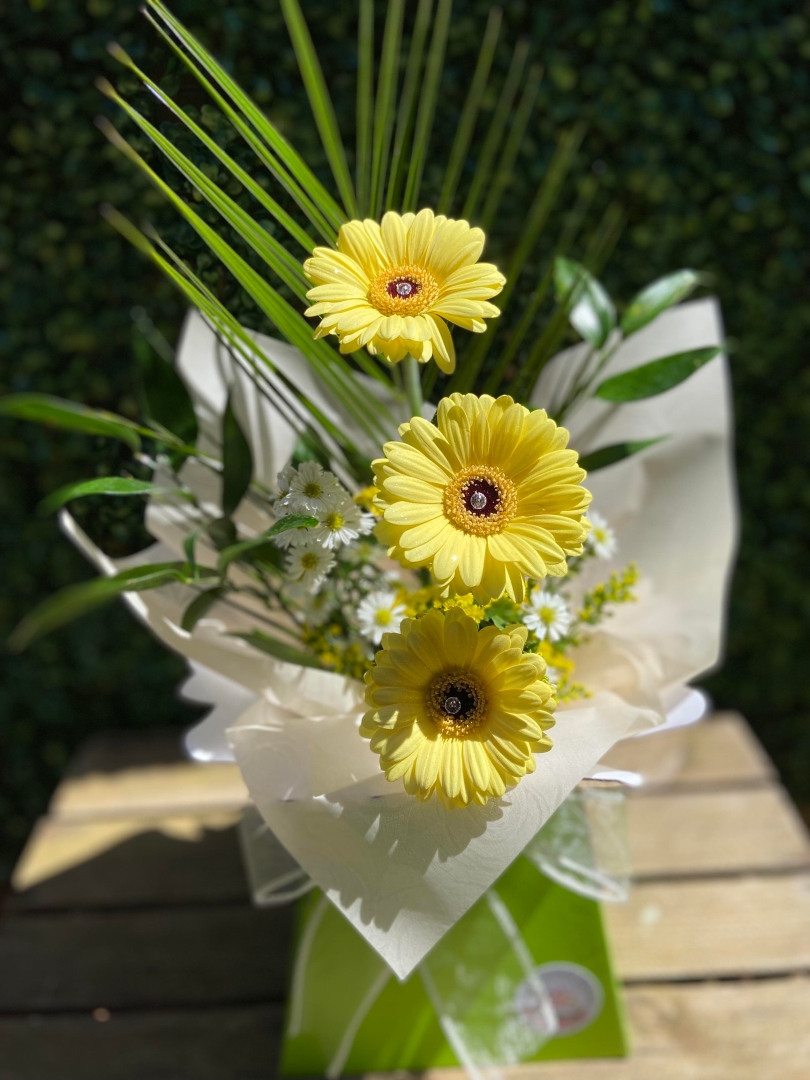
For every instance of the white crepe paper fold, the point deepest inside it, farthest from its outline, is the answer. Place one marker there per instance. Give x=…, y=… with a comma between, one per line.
x=403, y=872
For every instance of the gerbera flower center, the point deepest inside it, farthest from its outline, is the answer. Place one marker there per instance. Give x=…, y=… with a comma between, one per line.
x=456, y=704
x=480, y=500
x=403, y=290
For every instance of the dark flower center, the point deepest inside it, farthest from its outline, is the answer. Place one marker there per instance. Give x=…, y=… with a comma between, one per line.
x=459, y=702
x=403, y=287
x=481, y=497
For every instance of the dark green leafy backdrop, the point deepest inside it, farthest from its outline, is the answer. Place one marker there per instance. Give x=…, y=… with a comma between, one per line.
x=698, y=116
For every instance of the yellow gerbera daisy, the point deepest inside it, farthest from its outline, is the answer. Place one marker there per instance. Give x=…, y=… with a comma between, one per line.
x=485, y=497
x=457, y=710
x=390, y=286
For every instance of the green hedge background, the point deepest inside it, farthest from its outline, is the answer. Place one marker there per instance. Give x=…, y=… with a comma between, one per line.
x=698, y=112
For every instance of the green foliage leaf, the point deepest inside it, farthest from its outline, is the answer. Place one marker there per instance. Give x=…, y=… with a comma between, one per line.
x=279, y=649
x=105, y=485
x=656, y=377
x=237, y=462
x=246, y=547
x=657, y=297
x=222, y=533
x=44, y=409
x=590, y=309
x=503, y=612
x=609, y=455
x=200, y=606
x=77, y=600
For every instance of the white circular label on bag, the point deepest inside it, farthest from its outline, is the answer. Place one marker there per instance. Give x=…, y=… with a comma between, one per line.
x=576, y=995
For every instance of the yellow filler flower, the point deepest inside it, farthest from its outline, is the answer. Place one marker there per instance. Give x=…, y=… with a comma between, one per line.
x=487, y=496
x=391, y=286
x=457, y=710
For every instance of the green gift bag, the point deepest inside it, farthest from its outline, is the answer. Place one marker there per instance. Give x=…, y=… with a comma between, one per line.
x=525, y=975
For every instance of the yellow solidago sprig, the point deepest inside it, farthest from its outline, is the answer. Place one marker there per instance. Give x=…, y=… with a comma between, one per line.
x=456, y=710
x=393, y=286
x=486, y=497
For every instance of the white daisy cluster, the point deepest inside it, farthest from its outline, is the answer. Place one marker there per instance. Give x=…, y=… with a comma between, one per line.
x=547, y=615
x=601, y=540
x=310, y=489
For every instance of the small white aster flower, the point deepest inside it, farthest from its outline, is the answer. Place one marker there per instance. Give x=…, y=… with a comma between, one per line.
x=340, y=522
x=310, y=487
x=601, y=540
x=547, y=615
x=378, y=614
x=319, y=607
x=309, y=564
x=284, y=480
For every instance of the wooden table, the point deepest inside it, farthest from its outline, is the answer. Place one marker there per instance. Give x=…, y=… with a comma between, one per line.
x=129, y=949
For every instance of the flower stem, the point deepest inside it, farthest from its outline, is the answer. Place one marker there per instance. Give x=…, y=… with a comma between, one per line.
x=413, y=385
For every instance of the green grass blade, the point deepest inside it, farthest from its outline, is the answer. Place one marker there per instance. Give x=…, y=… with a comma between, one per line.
x=328, y=365
x=365, y=104
x=597, y=254
x=542, y=205
x=384, y=106
x=291, y=159
x=320, y=102
x=427, y=105
x=71, y=416
x=506, y=166
x=469, y=114
x=105, y=485
x=407, y=103
x=518, y=335
x=244, y=178
x=266, y=246
x=240, y=342
x=497, y=126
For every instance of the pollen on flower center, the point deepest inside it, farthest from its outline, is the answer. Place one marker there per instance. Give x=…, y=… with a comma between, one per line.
x=313, y=490
x=403, y=290
x=383, y=617
x=456, y=704
x=480, y=500
x=334, y=521
x=309, y=561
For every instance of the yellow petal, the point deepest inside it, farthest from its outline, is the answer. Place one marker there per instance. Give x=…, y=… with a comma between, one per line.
x=420, y=235
x=395, y=238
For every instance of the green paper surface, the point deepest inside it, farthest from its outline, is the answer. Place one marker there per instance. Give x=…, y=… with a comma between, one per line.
x=330, y=1009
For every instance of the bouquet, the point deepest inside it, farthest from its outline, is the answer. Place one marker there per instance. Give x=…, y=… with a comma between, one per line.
x=427, y=568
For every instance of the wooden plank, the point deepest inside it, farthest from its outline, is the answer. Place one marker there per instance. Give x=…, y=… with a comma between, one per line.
x=720, y=751
x=150, y=789
x=137, y=959
x=130, y=863
x=734, y=927
x=711, y=1031
x=726, y=831
x=181, y=1044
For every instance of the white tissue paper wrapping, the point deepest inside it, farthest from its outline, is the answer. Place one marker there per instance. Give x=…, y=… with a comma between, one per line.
x=403, y=872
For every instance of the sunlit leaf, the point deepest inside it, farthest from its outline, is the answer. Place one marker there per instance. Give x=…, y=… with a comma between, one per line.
x=590, y=309
x=105, y=485
x=656, y=377
x=77, y=600
x=657, y=297
x=58, y=412
x=245, y=547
